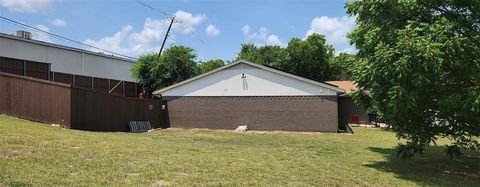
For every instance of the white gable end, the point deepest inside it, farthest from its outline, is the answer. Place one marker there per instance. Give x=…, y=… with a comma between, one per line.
x=255, y=82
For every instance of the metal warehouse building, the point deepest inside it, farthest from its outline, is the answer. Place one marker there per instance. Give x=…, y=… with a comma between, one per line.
x=97, y=71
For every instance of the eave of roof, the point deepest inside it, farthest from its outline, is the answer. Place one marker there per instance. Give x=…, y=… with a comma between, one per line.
x=339, y=90
x=348, y=86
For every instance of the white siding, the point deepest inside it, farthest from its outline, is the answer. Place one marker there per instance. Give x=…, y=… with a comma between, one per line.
x=22, y=50
x=258, y=82
x=111, y=68
x=65, y=60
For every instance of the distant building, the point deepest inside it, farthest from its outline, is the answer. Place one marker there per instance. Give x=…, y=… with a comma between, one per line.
x=348, y=110
x=22, y=55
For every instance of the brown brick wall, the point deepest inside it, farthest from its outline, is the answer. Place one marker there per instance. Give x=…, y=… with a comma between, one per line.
x=311, y=113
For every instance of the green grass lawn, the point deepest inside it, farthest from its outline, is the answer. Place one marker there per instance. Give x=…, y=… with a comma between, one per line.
x=39, y=155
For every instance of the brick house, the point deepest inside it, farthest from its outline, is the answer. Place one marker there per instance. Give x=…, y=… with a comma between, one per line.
x=245, y=93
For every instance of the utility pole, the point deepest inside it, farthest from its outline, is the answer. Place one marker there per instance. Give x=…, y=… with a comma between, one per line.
x=166, y=36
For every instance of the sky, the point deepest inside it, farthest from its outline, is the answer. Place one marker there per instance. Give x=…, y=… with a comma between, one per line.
x=214, y=28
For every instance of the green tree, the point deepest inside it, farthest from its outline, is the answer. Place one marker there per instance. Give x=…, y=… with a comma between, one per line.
x=207, y=66
x=340, y=66
x=309, y=58
x=176, y=64
x=265, y=55
x=143, y=71
x=420, y=62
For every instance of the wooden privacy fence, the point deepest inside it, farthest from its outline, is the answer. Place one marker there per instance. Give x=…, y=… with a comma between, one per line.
x=99, y=111
x=75, y=107
x=35, y=99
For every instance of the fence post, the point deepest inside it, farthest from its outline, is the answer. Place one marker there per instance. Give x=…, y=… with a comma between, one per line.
x=24, y=68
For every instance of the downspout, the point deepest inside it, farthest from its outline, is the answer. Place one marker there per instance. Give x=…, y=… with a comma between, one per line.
x=83, y=62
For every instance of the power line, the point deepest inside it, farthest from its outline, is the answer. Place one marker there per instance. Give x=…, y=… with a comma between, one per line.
x=170, y=17
x=154, y=9
x=195, y=35
x=173, y=19
x=61, y=37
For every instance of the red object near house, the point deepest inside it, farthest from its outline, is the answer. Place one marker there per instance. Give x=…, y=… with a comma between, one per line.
x=141, y=96
x=355, y=119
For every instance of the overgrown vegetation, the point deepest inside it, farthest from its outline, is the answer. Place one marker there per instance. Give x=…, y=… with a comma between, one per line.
x=33, y=154
x=203, y=67
x=418, y=65
x=311, y=58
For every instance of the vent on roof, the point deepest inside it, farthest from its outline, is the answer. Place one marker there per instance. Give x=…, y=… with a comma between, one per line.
x=22, y=34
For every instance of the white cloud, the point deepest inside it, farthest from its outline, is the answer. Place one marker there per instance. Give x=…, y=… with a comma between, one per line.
x=246, y=29
x=128, y=42
x=348, y=50
x=189, y=21
x=113, y=43
x=260, y=37
x=59, y=22
x=212, y=30
x=335, y=29
x=30, y=6
x=153, y=31
x=273, y=40
x=37, y=35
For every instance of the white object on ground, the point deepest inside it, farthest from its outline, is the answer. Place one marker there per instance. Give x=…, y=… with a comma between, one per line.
x=242, y=128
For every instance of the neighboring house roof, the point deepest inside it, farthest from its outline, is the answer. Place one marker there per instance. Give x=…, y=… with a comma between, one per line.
x=324, y=85
x=348, y=86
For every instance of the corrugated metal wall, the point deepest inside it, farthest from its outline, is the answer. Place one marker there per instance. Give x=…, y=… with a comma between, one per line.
x=23, y=67
x=42, y=71
x=66, y=59
x=13, y=66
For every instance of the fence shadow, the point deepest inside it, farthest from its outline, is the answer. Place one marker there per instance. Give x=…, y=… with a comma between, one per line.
x=432, y=168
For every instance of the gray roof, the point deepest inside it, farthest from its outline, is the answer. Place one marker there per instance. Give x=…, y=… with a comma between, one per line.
x=339, y=90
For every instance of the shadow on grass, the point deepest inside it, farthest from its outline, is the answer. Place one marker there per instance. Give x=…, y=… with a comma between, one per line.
x=432, y=168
